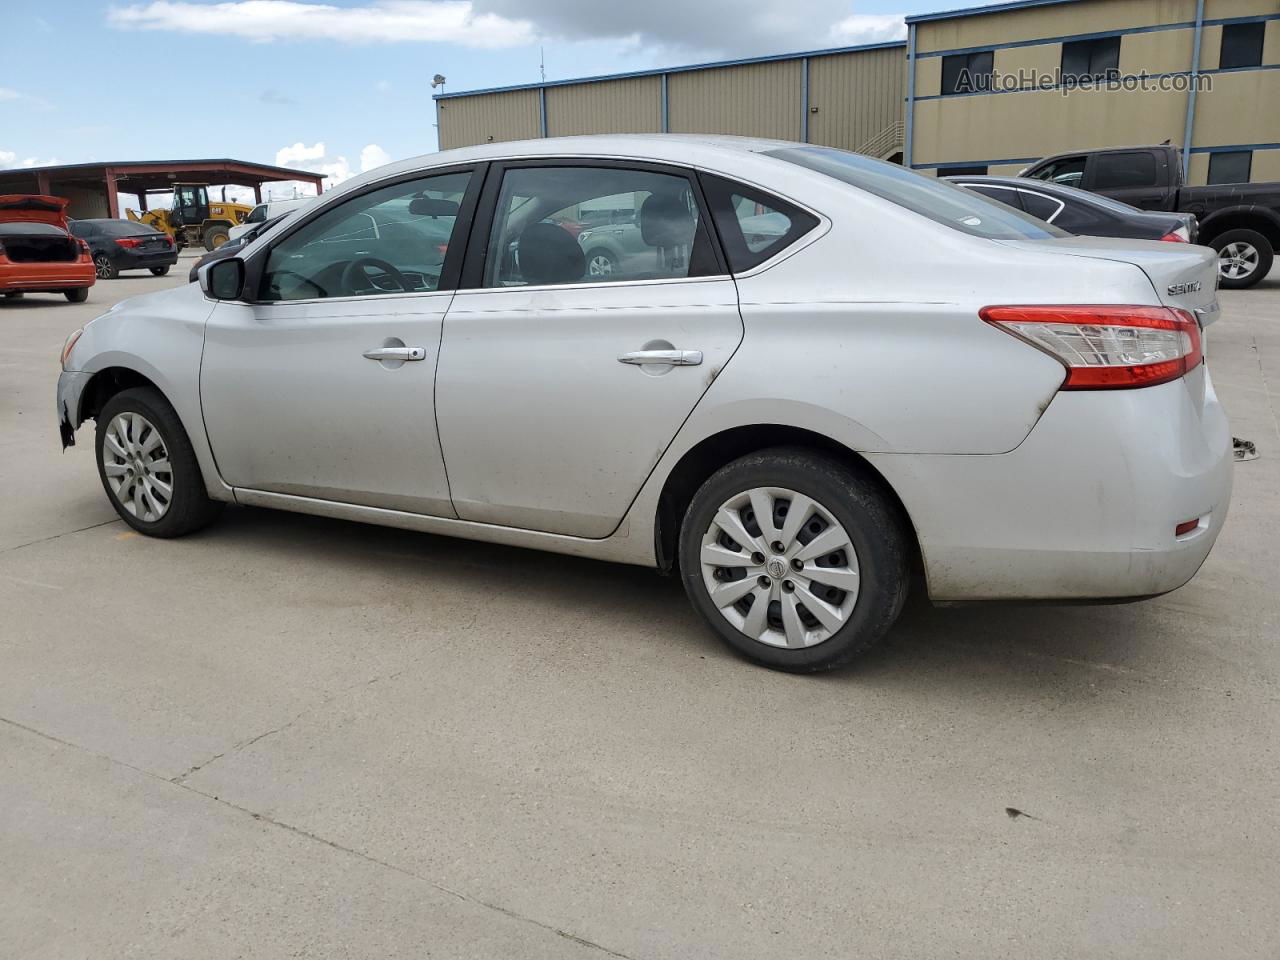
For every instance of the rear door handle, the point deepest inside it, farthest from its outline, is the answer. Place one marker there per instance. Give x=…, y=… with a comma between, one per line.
x=674, y=358
x=396, y=353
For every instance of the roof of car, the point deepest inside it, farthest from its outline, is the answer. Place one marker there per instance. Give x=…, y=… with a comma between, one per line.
x=684, y=148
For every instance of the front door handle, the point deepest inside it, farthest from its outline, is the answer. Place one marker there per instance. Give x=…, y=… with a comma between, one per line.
x=396, y=353
x=673, y=358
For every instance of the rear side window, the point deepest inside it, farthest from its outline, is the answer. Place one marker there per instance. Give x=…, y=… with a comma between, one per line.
x=1040, y=206
x=753, y=225
x=1112, y=171
x=1006, y=195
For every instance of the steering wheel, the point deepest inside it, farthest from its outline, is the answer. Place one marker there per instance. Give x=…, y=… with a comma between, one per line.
x=354, y=273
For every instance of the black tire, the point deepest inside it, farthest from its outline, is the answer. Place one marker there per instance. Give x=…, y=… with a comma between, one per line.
x=160, y=271
x=189, y=507
x=606, y=255
x=103, y=266
x=14, y=295
x=79, y=295
x=215, y=237
x=1266, y=256
x=867, y=514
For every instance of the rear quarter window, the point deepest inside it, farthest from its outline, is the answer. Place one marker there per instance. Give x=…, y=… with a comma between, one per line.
x=753, y=225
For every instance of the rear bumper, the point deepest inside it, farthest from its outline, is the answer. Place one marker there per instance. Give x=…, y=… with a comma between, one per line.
x=45, y=277
x=130, y=260
x=1085, y=508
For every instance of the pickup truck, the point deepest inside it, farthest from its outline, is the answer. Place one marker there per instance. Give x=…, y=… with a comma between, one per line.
x=1239, y=220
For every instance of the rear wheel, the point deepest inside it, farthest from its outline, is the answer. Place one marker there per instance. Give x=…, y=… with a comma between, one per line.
x=1244, y=258
x=79, y=295
x=148, y=468
x=215, y=237
x=104, y=268
x=797, y=562
x=160, y=271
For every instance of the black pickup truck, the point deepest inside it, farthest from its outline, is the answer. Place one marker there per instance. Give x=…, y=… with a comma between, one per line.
x=1239, y=220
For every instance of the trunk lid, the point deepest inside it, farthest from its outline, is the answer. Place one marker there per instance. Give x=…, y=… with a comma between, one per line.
x=33, y=208
x=1184, y=275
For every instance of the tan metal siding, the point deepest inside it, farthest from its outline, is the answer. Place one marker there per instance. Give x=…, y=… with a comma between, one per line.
x=633, y=105
x=754, y=100
x=857, y=96
x=489, y=117
x=1068, y=19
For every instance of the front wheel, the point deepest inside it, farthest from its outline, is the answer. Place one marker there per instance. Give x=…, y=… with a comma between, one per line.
x=1244, y=258
x=148, y=468
x=797, y=562
x=215, y=237
x=160, y=271
x=78, y=295
x=601, y=263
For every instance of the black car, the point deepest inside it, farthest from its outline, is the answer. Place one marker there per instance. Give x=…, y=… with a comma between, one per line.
x=1239, y=217
x=232, y=247
x=1083, y=213
x=125, y=245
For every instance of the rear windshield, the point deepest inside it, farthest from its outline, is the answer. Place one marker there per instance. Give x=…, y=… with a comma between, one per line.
x=938, y=200
x=121, y=228
x=25, y=229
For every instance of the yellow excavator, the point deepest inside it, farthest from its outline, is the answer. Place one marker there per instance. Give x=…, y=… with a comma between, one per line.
x=193, y=219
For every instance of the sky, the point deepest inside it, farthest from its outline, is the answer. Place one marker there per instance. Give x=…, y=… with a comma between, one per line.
x=344, y=86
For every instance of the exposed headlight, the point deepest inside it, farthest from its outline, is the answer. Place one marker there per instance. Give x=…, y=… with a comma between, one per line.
x=66, y=347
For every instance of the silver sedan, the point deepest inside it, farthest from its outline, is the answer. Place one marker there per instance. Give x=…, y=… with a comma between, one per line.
x=897, y=377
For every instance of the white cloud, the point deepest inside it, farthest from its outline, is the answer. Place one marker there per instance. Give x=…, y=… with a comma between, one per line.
x=9, y=160
x=382, y=21
x=8, y=94
x=373, y=156
x=299, y=154
x=868, y=28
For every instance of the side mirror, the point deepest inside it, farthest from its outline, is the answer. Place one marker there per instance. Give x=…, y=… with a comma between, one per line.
x=222, y=279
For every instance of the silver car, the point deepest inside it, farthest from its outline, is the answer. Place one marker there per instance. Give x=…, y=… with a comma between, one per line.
x=821, y=375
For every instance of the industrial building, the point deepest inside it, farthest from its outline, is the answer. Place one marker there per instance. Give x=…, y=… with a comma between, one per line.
x=985, y=89
x=92, y=188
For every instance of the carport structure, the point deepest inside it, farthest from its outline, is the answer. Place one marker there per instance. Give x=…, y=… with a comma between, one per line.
x=92, y=188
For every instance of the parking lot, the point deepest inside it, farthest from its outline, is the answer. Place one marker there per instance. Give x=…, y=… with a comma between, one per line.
x=292, y=736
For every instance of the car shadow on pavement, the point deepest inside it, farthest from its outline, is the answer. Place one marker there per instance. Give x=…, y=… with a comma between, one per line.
x=1005, y=646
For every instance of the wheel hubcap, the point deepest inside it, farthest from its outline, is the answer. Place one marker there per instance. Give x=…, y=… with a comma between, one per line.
x=780, y=567
x=1237, y=260
x=600, y=266
x=104, y=268
x=136, y=463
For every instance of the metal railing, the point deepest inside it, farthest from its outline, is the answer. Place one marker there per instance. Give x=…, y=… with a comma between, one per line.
x=885, y=143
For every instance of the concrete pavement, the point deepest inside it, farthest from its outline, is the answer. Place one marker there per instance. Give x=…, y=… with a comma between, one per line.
x=289, y=736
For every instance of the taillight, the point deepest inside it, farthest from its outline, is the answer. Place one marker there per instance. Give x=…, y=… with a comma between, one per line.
x=84, y=248
x=129, y=241
x=1180, y=235
x=1105, y=347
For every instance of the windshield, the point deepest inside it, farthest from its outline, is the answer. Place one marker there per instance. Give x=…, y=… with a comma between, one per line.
x=938, y=200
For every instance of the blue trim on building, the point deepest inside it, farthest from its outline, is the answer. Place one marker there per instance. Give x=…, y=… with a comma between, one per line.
x=712, y=65
x=978, y=11
x=1228, y=148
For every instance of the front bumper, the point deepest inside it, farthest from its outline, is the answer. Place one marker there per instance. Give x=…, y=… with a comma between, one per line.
x=1085, y=507
x=71, y=384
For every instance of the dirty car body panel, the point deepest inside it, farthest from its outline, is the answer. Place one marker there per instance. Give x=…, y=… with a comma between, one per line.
x=511, y=418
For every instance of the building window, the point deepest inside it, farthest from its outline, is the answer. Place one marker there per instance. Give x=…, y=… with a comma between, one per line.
x=1231, y=166
x=967, y=72
x=974, y=170
x=1093, y=59
x=1242, y=45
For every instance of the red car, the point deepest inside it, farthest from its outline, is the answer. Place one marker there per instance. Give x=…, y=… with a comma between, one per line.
x=38, y=254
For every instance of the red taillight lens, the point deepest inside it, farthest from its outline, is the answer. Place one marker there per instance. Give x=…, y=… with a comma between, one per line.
x=129, y=241
x=1185, y=527
x=1175, y=237
x=84, y=248
x=1106, y=347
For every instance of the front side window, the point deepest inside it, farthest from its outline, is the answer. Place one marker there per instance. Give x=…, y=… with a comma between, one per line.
x=566, y=224
x=1230, y=166
x=391, y=240
x=1068, y=170
x=753, y=225
x=1242, y=45
x=257, y=214
x=937, y=200
x=967, y=72
x=1117, y=171
x=1093, y=59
